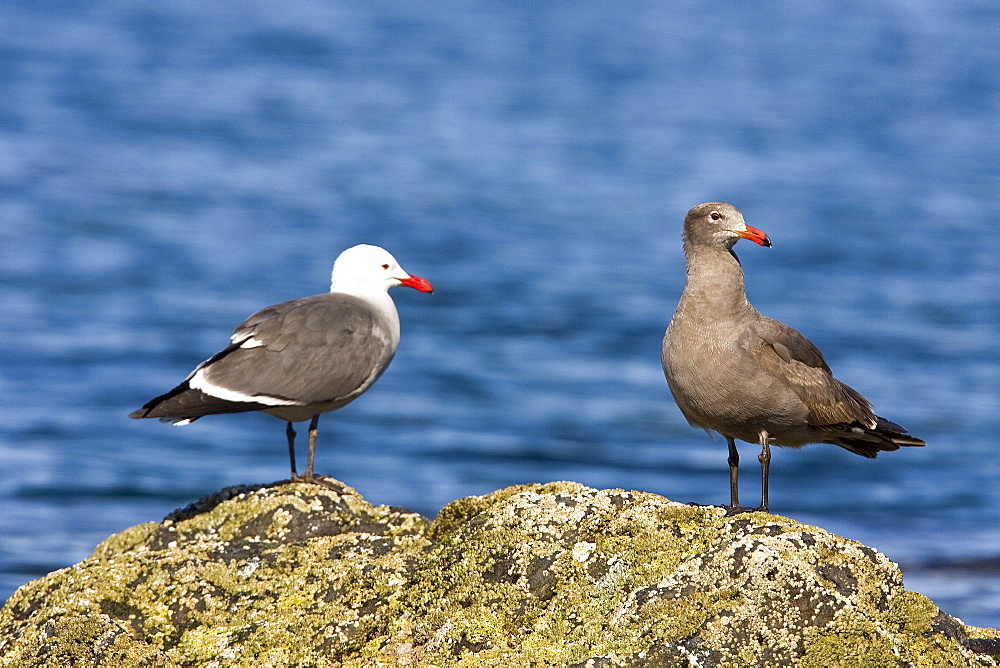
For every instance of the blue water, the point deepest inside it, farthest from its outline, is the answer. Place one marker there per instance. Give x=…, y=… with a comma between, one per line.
x=168, y=168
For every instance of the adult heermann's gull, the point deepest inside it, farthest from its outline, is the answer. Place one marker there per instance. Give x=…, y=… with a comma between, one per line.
x=301, y=358
x=749, y=377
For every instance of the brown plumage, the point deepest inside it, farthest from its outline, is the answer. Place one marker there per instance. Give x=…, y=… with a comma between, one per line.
x=748, y=377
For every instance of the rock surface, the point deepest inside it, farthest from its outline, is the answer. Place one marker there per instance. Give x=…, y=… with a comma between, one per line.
x=541, y=575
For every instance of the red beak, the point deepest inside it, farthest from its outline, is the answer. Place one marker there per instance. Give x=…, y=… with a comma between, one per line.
x=756, y=236
x=417, y=283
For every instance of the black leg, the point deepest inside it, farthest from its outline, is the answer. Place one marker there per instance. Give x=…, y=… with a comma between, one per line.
x=734, y=474
x=765, y=468
x=290, y=433
x=313, y=430
x=323, y=480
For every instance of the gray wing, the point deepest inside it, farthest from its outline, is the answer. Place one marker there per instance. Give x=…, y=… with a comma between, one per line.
x=322, y=348
x=783, y=352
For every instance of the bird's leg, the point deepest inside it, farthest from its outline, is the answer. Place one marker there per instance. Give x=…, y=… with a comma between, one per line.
x=323, y=480
x=290, y=433
x=765, y=468
x=313, y=430
x=734, y=473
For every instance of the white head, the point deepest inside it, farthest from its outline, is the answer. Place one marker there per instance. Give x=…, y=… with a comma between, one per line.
x=370, y=269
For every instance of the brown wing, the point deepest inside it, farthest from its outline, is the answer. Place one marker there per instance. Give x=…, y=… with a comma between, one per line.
x=785, y=353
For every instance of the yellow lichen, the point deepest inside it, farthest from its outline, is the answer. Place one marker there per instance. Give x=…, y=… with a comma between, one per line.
x=531, y=575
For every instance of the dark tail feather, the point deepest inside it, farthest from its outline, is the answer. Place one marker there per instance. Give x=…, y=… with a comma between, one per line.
x=185, y=403
x=896, y=433
x=886, y=436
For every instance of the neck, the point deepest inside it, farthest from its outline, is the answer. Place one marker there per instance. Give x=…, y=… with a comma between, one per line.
x=347, y=285
x=380, y=302
x=714, y=280
x=376, y=296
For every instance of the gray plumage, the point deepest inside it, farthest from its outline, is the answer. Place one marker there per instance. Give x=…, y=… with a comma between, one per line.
x=746, y=376
x=301, y=358
x=321, y=350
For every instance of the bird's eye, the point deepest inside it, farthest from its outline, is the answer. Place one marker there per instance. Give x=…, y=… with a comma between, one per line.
x=385, y=266
x=715, y=215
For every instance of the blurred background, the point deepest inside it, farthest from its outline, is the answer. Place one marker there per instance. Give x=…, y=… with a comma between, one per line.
x=168, y=168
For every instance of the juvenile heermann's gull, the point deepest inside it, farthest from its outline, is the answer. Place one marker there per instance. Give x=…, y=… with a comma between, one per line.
x=749, y=377
x=301, y=358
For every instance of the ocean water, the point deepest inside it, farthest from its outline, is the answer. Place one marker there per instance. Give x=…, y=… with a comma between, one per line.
x=166, y=169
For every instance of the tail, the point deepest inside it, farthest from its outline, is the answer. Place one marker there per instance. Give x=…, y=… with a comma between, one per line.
x=860, y=439
x=184, y=404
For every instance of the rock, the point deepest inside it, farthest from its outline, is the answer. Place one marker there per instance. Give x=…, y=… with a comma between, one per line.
x=556, y=575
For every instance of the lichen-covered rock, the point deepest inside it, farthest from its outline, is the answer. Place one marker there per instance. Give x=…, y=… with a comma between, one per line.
x=537, y=575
